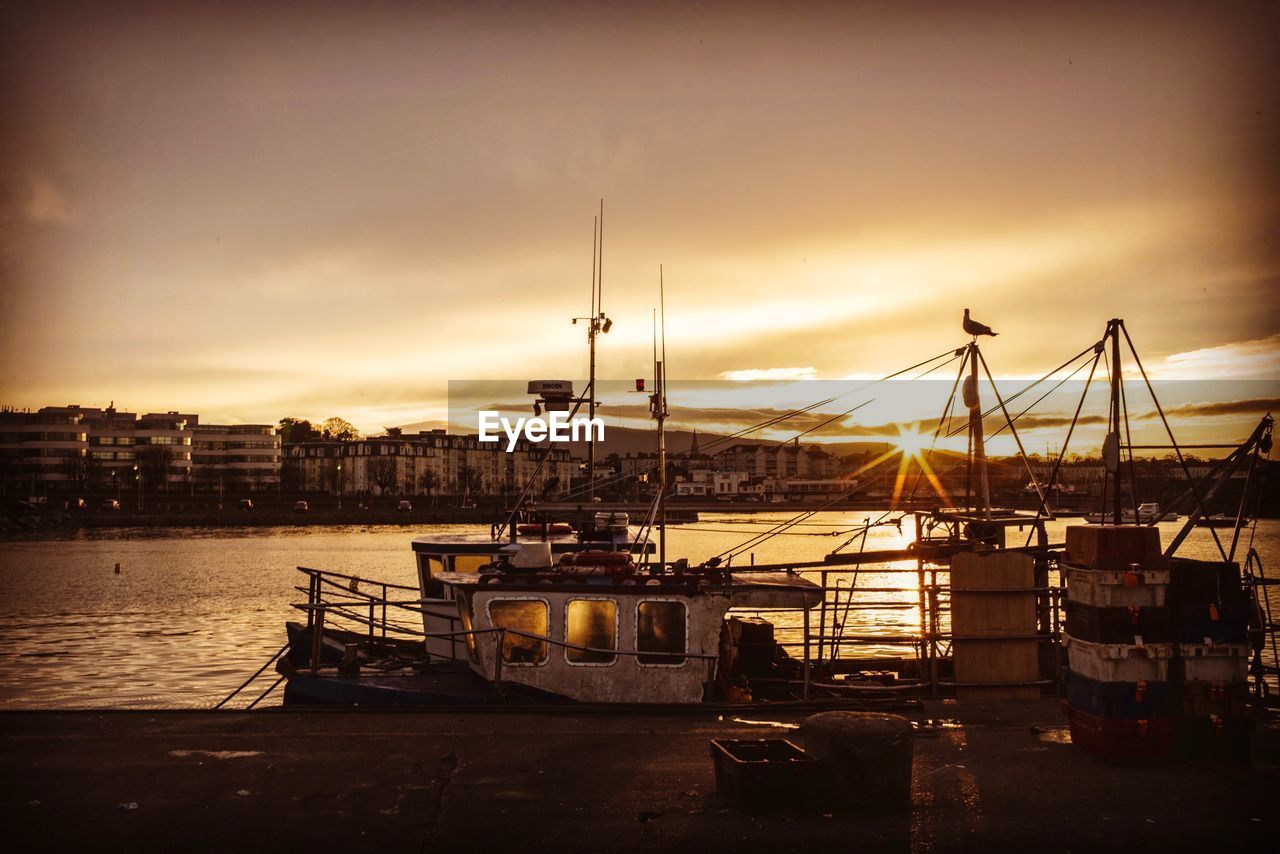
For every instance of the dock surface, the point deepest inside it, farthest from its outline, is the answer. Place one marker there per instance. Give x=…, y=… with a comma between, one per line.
x=998, y=777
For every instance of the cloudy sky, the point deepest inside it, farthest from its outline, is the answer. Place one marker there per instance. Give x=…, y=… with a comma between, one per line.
x=336, y=209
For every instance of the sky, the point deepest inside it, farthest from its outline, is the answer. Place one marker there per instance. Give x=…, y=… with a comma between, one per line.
x=257, y=210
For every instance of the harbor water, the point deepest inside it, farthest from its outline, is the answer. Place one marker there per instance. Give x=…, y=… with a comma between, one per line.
x=193, y=612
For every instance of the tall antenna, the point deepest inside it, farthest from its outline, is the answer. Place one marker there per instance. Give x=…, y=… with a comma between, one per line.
x=592, y=326
x=597, y=323
x=660, y=415
x=600, y=262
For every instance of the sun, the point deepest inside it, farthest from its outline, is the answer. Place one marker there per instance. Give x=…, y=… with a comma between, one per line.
x=910, y=442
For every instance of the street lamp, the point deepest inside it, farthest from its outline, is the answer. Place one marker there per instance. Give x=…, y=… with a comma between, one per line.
x=339, y=486
x=138, y=477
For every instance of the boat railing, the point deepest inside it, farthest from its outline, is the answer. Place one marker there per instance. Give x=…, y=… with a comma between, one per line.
x=827, y=646
x=320, y=611
x=336, y=598
x=366, y=602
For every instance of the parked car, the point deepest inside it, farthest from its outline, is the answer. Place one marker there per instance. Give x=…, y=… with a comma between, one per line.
x=301, y=507
x=110, y=504
x=246, y=504
x=404, y=506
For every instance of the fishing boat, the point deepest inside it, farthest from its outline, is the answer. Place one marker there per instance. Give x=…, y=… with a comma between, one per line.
x=553, y=618
x=1221, y=520
x=529, y=612
x=1147, y=513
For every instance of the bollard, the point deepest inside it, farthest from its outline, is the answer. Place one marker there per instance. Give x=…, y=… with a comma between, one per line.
x=117, y=569
x=867, y=757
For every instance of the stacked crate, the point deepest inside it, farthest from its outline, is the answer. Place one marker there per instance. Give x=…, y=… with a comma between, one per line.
x=1157, y=659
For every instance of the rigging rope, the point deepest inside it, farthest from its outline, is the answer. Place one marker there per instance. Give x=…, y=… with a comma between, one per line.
x=568, y=494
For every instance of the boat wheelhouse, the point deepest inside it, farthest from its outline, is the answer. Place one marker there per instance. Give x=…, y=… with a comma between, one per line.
x=572, y=619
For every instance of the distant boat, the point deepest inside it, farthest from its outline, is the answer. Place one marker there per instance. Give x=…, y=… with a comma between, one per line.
x=539, y=528
x=1147, y=513
x=1221, y=520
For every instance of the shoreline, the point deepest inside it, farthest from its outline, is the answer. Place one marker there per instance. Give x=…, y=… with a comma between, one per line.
x=49, y=521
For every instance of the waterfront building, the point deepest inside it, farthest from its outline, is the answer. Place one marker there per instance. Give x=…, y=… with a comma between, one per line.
x=428, y=463
x=235, y=458
x=79, y=449
x=789, y=460
x=39, y=449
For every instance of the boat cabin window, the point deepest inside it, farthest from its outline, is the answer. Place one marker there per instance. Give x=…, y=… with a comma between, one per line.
x=660, y=632
x=470, y=563
x=464, y=611
x=530, y=616
x=593, y=623
x=435, y=565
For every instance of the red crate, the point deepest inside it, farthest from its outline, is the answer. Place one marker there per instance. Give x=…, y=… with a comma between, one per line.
x=1120, y=740
x=1215, y=739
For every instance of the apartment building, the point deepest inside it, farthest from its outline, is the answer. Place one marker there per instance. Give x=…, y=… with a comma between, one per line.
x=432, y=462
x=235, y=457
x=73, y=448
x=790, y=460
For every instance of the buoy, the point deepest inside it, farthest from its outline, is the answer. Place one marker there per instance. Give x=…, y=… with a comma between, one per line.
x=117, y=569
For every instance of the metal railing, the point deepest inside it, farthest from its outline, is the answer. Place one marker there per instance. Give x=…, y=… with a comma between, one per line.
x=338, y=599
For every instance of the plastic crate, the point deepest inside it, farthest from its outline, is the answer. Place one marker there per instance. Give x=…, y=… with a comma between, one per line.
x=1214, y=623
x=1106, y=588
x=1119, y=662
x=1120, y=740
x=1118, y=625
x=1114, y=547
x=1204, y=581
x=1214, y=699
x=1214, y=739
x=1133, y=700
x=1228, y=662
x=765, y=774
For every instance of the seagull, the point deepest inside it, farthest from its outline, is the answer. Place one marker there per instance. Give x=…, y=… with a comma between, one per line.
x=975, y=328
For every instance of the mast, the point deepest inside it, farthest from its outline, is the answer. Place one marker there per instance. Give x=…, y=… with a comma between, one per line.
x=658, y=406
x=597, y=323
x=591, y=345
x=974, y=402
x=1113, y=327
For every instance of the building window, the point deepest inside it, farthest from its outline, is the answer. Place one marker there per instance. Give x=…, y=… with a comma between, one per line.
x=591, y=623
x=528, y=616
x=660, y=632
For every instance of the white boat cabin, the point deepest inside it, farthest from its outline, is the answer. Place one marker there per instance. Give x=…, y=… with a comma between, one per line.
x=573, y=620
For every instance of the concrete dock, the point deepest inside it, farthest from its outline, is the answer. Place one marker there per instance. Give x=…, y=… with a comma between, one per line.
x=998, y=777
